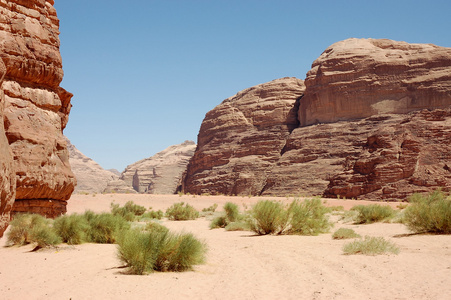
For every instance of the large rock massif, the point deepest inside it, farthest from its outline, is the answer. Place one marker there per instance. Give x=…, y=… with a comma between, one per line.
x=242, y=139
x=36, y=108
x=373, y=122
x=7, y=174
x=91, y=177
x=159, y=174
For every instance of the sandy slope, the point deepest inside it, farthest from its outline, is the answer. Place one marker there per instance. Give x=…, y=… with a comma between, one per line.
x=239, y=265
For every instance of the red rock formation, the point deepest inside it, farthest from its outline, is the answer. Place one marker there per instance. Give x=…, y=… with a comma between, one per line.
x=358, y=78
x=402, y=155
x=7, y=174
x=377, y=142
x=36, y=108
x=241, y=139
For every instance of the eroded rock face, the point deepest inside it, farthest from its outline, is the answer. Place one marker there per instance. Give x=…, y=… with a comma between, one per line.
x=242, y=139
x=91, y=177
x=382, y=128
x=358, y=78
x=159, y=174
x=36, y=107
x=7, y=174
x=384, y=157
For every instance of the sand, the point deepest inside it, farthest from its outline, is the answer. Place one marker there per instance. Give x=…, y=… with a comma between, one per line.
x=239, y=265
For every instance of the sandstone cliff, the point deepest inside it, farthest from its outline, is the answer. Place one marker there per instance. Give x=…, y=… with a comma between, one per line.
x=91, y=177
x=358, y=78
x=387, y=107
x=7, y=174
x=36, y=107
x=159, y=174
x=241, y=140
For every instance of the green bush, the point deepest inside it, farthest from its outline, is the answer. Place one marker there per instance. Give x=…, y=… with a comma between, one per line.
x=129, y=211
x=181, y=211
x=159, y=250
x=158, y=215
x=231, y=214
x=344, y=233
x=104, y=228
x=308, y=217
x=430, y=213
x=373, y=213
x=210, y=208
x=32, y=228
x=232, y=211
x=154, y=226
x=370, y=246
x=218, y=222
x=44, y=236
x=268, y=217
x=238, y=226
x=72, y=228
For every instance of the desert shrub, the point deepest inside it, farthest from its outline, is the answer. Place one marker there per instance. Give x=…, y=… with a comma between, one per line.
x=158, y=215
x=344, y=233
x=308, y=217
x=370, y=246
x=104, y=228
x=218, y=222
x=181, y=211
x=238, y=226
x=72, y=228
x=129, y=211
x=402, y=206
x=44, y=236
x=231, y=214
x=232, y=211
x=210, y=208
x=89, y=215
x=431, y=213
x=372, y=213
x=349, y=216
x=32, y=228
x=336, y=209
x=159, y=250
x=268, y=217
x=154, y=226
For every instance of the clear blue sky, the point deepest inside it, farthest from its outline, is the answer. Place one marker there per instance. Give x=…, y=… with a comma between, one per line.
x=144, y=73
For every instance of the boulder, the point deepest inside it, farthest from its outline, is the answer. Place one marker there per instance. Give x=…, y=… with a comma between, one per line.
x=36, y=107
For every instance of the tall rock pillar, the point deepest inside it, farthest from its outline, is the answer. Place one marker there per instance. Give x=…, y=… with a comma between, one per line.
x=36, y=107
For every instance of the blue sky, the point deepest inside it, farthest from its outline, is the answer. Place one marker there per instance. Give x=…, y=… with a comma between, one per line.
x=144, y=73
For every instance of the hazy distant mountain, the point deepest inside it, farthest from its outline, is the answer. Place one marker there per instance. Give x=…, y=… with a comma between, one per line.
x=91, y=177
x=159, y=174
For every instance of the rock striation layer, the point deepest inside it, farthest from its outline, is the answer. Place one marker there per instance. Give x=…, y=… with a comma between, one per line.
x=7, y=174
x=241, y=140
x=91, y=177
x=159, y=174
x=358, y=78
x=372, y=123
x=36, y=107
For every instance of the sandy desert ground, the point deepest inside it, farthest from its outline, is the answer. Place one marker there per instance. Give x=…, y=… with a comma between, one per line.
x=239, y=265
